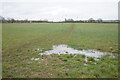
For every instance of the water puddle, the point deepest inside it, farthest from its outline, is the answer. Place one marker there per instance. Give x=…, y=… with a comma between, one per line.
x=64, y=49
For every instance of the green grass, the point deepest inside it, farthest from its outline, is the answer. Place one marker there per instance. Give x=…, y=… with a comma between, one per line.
x=0, y=50
x=19, y=40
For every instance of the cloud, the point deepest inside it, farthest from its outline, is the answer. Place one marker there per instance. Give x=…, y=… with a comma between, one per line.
x=59, y=1
x=60, y=9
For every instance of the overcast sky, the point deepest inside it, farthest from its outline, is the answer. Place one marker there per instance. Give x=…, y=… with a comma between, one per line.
x=57, y=10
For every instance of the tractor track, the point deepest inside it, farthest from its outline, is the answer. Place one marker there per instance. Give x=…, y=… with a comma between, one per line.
x=63, y=39
x=68, y=34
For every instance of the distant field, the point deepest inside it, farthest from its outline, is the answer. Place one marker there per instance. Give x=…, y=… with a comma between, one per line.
x=19, y=40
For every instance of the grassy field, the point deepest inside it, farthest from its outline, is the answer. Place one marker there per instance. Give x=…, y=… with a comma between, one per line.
x=0, y=50
x=19, y=40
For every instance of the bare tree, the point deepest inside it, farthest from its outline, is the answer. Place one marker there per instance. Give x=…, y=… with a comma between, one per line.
x=99, y=20
x=91, y=20
x=69, y=20
x=2, y=19
x=12, y=20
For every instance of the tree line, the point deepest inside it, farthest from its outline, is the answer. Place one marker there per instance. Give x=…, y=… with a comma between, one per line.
x=91, y=20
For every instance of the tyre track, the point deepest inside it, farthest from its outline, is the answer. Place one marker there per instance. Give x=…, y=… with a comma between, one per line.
x=69, y=32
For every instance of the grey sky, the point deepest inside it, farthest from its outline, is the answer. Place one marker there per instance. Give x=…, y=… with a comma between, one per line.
x=57, y=10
